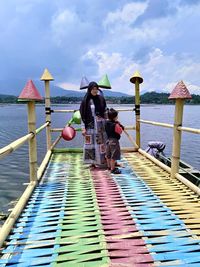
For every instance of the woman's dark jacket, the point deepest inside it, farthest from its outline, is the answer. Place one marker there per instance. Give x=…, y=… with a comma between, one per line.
x=85, y=108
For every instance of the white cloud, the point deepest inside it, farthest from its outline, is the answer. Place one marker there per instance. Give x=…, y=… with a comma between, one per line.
x=161, y=69
x=63, y=23
x=161, y=72
x=120, y=25
x=124, y=36
x=68, y=86
x=128, y=14
x=106, y=62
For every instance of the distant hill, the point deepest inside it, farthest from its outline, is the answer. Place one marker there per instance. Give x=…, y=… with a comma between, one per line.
x=112, y=97
x=58, y=91
x=16, y=88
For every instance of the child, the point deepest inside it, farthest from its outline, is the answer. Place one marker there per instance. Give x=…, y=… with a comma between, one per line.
x=113, y=130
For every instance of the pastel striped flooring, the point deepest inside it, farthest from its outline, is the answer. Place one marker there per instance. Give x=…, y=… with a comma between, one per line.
x=88, y=218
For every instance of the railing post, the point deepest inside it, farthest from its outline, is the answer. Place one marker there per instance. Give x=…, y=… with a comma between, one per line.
x=137, y=79
x=32, y=141
x=30, y=94
x=46, y=77
x=179, y=93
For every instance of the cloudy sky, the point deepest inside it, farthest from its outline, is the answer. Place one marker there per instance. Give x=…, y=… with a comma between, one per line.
x=75, y=38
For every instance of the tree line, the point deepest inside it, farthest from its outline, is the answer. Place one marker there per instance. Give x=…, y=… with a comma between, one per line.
x=146, y=98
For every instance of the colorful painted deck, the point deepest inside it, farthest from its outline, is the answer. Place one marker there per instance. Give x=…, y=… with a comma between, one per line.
x=80, y=217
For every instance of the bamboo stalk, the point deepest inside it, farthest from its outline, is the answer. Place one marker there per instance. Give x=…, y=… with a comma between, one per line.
x=14, y=145
x=157, y=123
x=79, y=129
x=129, y=149
x=46, y=159
x=38, y=130
x=137, y=111
x=180, y=128
x=190, y=130
x=131, y=139
x=124, y=109
x=129, y=127
x=189, y=184
x=43, y=164
x=32, y=141
x=19, y=142
x=5, y=230
x=64, y=110
x=72, y=110
x=48, y=113
x=7, y=226
x=176, y=148
x=156, y=161
x=60, y=129
x=56, y=142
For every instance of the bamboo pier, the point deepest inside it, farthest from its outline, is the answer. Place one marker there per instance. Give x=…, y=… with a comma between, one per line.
x=72, y=215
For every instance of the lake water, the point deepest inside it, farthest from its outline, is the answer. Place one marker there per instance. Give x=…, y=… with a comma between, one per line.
x=13, y=125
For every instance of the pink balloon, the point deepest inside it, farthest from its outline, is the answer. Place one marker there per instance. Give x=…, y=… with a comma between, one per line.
x=68, y=133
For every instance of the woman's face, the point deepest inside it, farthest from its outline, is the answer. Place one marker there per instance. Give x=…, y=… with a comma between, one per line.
x=94, y=91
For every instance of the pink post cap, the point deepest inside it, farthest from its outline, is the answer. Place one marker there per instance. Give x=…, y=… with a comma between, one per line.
x=30, y=93
x=180, y=91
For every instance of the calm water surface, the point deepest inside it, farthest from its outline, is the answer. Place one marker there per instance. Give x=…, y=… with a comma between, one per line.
x=13, y=124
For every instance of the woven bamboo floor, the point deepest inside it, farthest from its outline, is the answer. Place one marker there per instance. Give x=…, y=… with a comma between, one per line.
x=79, y=217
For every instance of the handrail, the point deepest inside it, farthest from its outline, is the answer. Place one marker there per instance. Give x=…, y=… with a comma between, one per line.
x=189, y=130
x=157, y=123
x=19, y=142
x=73, y=110
x=45, y=161
x=180, y=128
x=5, y=230
x=181, y=168
x=60, y=129
x=14, y=145
x=63, y=110
x=193, y=187
x=79, y=129
x=38, y=130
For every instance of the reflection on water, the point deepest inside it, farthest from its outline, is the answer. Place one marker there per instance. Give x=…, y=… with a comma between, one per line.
x=14, y=170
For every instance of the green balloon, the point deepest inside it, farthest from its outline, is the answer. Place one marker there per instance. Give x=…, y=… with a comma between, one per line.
x=76, y=118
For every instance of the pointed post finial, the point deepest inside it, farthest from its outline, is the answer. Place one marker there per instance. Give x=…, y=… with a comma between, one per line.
x=84, y=83
x=46, y=76
x=180, y=91
x=104, y=82
x=29, y=93
x=136, y=76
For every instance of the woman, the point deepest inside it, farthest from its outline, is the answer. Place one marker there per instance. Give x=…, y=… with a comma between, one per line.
x=92, y=110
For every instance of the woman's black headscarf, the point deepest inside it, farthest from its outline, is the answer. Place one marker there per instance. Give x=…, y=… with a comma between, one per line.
x=99, y=103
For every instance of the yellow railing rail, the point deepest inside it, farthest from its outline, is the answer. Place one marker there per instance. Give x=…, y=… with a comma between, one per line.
x=157, y=123
x=19, y=142
x=180, y=128
x=73, y=110
x=79, y=129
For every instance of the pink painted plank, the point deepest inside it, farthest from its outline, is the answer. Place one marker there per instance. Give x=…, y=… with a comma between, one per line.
x=118, y=225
